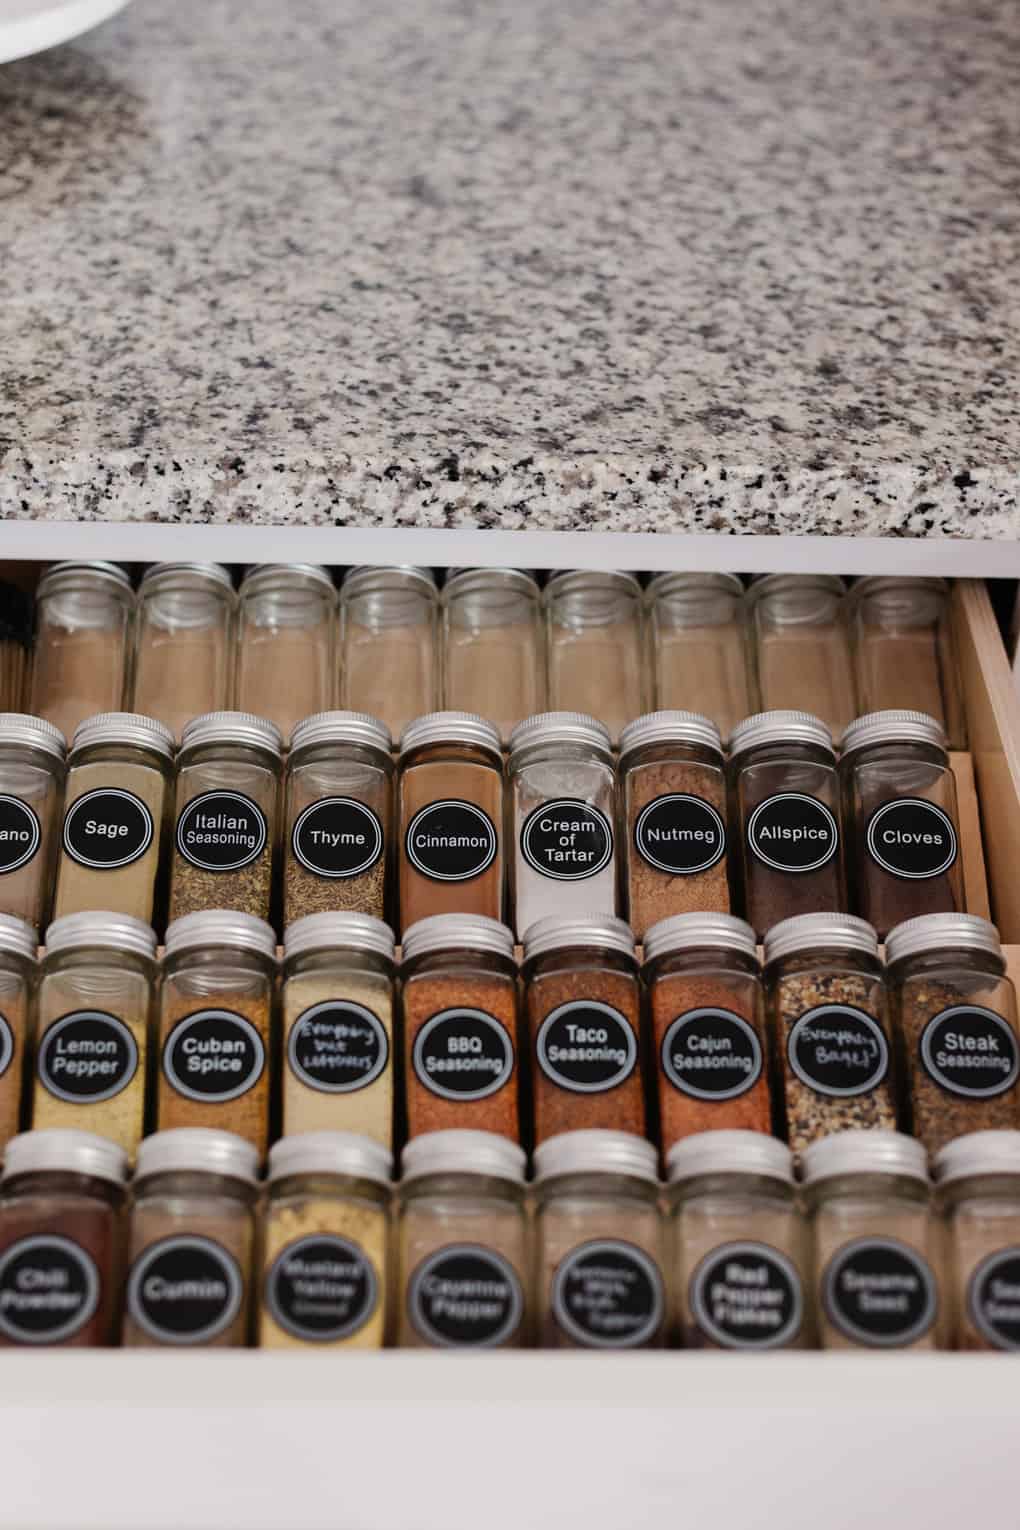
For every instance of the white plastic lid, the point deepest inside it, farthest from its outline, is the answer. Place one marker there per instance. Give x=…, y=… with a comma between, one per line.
x=338, y=931
x=458, y=1151
x=992, y=1152
x=729, y=1152
x=130, y=729
x=33, y=732
x=16, y=936
x=220, y=927
x=780, y=727
x=596, y=1150
x=453, y=932
x=233, y=728
x=201, y=1149
x=65, y=1150
x=331, y=1153
x=114, y=932
x=864, y=1152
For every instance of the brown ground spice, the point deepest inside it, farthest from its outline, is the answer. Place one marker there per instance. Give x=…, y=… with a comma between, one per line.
x=305, y=893
x=653, y=893
x=248, y=1113
x=558, y=1108
x=249, y=890
x=681, y=1114
x=428, y=996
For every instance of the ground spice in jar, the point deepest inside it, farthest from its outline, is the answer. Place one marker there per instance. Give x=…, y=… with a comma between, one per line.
x=17, y=979
x=978, y=1178
x=32, y=770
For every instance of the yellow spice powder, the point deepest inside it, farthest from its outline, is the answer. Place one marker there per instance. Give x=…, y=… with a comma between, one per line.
x=338, y=1054
x=325, y=1274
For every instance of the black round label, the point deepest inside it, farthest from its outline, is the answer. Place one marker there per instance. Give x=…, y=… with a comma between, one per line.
x=337, y=837
x=680, y=834
x=993, y=1298
x=792, y=832
x=711, y=1054
x=184, y=1290
x=911, y=838
x=451, y=841
x=586, y=1046
x=463, y=1054
x=465, y=1296
x=49, y=1289
x=879, y=1293
x=321, y=1289
x=87, y=1057
x=20, y=833
x=337, y=1046
x=971, y=1052
x=221, y=831
x=567, y=839
x=6, y=1045
x=838, y=1051
x=107, y=828
x=608, y=1294
x=213, y=1056
x=747, y=1296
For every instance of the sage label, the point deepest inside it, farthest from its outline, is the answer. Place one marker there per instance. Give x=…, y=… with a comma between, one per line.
x=451, y=841
x=184, y=1290
x=107, y=828
x=221, y=831
x=321, y=1289
x=337, y=1046
x=213, y=1056
x=838, y=1051
x=608, y=1294
x=680, y=834
x=911, y=838
x=792, y=832
x=87, y=1057
x=971, y=1052
x=49, y=1290
x=993, y=1298
x=879, y=1293
x=463, y=1054
x=586, y=1046
x=747, y=1296
x=465, y=1296
x=20, y=833
x=337, y=837
x=567, y=840
x=711, y=1054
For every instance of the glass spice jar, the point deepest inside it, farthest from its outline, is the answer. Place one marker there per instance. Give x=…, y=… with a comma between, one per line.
x=462, y=1237
x=738, y=1256
x=705, y=1003
x=901, y=817
x=583, y=1009
x=459, y=992
x=978, y=1178
x=286, y=644
x=785, y=816
x=956, y=1022
x=32, y=771
x=493, y=645
x=17, y=987
x=216, y=1024
x=339, y=816
x=595, y=645
x=184, y=642
x=338, y=975
x=801, y=645
x=563, y=809
x=325, y=1239
x=875, y=1242
x=903, y=649
x=450, y=811
x=673, y=802
x=17, y=624
x=61, y=1239
x=227, y=814
x=598, y=1231
x=84, y=621
x=190, y=1244
x=828, y=1010
x=698, y=638
x=390, y=639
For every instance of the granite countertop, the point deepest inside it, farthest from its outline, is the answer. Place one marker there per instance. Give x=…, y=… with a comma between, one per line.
x=735, y=265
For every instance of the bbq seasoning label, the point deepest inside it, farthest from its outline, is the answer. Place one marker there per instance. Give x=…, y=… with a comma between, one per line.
x=465, y=1296
x=463, y=1054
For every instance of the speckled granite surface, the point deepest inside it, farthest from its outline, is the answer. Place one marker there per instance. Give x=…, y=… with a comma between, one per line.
x=638, y=264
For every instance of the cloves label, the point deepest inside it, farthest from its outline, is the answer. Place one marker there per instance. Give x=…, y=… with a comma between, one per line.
x=451, y=841
x=337, y=837
x=971, y=1052
x=465, y=1296
x=49, y=1290
x=747, y=1296
x=184, y=1290
x=680, y=834
x=608, y=1294
x=911, y=838
x=879, y=1293
x=567, y=840
x=838, y=1051
x=337, y=1047
x=711, y=1054
x=20, y=833
x=993, y=1298
x=792, y=832
x=87, y=1057
x=221, y=831
x=586, y=1046
x=107, y=828
x=213, y=1056
x=463, y=1054
x=321, y=1289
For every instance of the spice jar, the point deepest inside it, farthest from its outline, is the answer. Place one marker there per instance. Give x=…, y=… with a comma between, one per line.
x=32, y=771
x=801, y=644
x=94, y=1013
x=978, y=1178
x=17, y=982
x=84, y=618
x=325, y=1243
x=956, y=1018
x=827, y=1003
x=698, y=634
x=17, y=624
x=901, y=818
x=738, y=1251
x=673, y=799
x=451, y=812
x=785, y=810
x=227, y=806
x=493, y=645
x=117, y=809
x=184, y=642
x=339, y=815
x=338, y=1025
x=190, y=1241
x=903, y=649
x=595, y=645
x=459, y=985
x=599, y=1255
x=215, y=1028
x=286, y=646
x=705, y=1001
x=463, y=1243
x=584, y=1022
x=61, y=1200
x=564, y=807
x=390, y=635
x=875, y=1242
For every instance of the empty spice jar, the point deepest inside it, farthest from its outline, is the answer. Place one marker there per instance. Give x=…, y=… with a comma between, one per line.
x=706, y=1008
x=325, y=1240
x=286, y=644
x=61, y=1239
x=215, y=1024
x=827, y=1002
x=184, y=642
x=956, y=1020
x=698, y=639
x=903, y=649
x=901, y=819
x=738, y=1252
x=93, y=1024
x=450, y=796
x=875, y=1242
x=17, y=985
x=582, y=1002
x=390, y=644
x=563, y=808
x=785, y=815
x=462, y=1237
x=493, y=645
x=84, y=622
x=117, y=808
x=978, y=1179
x=227, y=814
x=32, y=771
x=190, y=1244
x=338, y=977
x=673, y=803
x=595, y=645
x=801, y=645
x=339, y=815
x=459, y=990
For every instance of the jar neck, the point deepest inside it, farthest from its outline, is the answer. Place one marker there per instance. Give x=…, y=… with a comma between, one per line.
x=450, y=754
x=721, y=959
x=38, y=759
x=673, y=753
x=930, y=963
x=230, y=754
x=97, y=959
x=121, y=754
x=980, y=1187
x=195, y=1184
x=822, y=958
x=463, y=1186
x=329, y=1187
x=460, y=961
x=580, y=959
x=598, y=1186
x=870, y=1186
x=888, y=752
x=341, y=963
x=208, y=958
x=795, y=752
x=735, y=1185
x=552, y=753
x=339, y=753
x=46, y=1182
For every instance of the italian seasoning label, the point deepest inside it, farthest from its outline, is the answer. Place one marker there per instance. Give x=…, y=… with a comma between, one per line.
x=993, y=1298
x=107, y=828
x=337, y=1047
x=711, y=1054
x=586, y=1047
x=463, y=1054
x=184, y=1290
x=49, y=1290
x=337, y=837
x=747, y=1296
x=321, y=1289
x=567, y=840
x=911, y=838
x=20, y=833
x=221, y=831
x=608, y=1294
x=880, y=1293
x=451, y=841
x=465, y=1296
x=838, y=1051
x=792, y=832
x=87, y=1057
x=213, y=1056
x=971, y=1052
x=680, y=834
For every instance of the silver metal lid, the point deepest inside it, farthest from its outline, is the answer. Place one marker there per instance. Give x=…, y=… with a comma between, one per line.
x=941, y=932
x=662, y=586
x=729, y=1152
x=458, y=1151
x=451, y=932
x=670, y=727
x=463, y=581
x=233, y=728
x=341, y=728
x=893, y=727
x=570, y=579
x=220, y=927
x=864, y=1152
x=33, y=732
x=451, y=728
x=374, y=576
x=64, y=1150
x=71, y=568
x=685, y=932
x=600, y=932
x=262, y=576
x=596, y=1150
x=560, y=728
x=992, y=1152
x=782, y=727
x=129, y=728
x=771, y=584
x=115, y=932
x=807, y=932
x=17, y=936
x=168, y=573
x=201, y=1149
x=331, y=1153
x=338, y=931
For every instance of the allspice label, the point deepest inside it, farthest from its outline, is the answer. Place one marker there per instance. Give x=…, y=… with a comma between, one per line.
x=451, y=841
x=838, y=1051
x=993, y=1298
x=970, y=1052
x=221, y=831
x=184, y=1290
x=792, y=832
x=608, y=1294
x=567, y=840
x=337, y=837
x=107, y=828
x=911, y=838
x=321, y=1289
x=586, y=1046
x=49, y=1289
x=880, y=1293
x=463, y=1054
x=87, y=1057
x=20, y=833
x=337, y=1047
x=747, y=1296
x=711, y=1054
x=465, y=1296
x=680, y=834
x=213, y=1055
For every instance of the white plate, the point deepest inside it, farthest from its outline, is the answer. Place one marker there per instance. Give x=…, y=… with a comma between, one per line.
x=29, y=26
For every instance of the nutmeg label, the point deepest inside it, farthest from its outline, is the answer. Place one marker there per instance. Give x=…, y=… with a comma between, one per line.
x=87, y=1057
x=971, y=1052
x=680, y=834
x=993, y=1298
x=567, y=840
x=20, y=833
x=586, y=1046
x=880, y=1293
x=221, y=831
x=107, y=828
x=213, y=1055
x=337, y=1047
x=711, y=1054
x=747, y=1296
x=451, y=841
x=184, y=1290
x=608, y=1294
x=465, y=1296
x=337, y=837
x=463, y=1054
x=838, y=1051
x=321, y=1289
x=911, y=838
x=49, y=1290
x=792, y=832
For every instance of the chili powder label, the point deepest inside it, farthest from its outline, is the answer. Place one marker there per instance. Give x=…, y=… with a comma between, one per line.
x=880, y=1293
x=463, y=1054
x=711, y=1054
x=586, y=1046
x=49, y=1290
x=680, y=834
x=451, y=841
x=608, y=1294
x=221, y=831
x=971, y=1052
x=838, y=1051
x=213, y=1056
x=321, y=1288
x=184, y=1290
x=20, y=833
x=107, y=828
x=792, y=832
x=747, y=1296
x=567, y=840
x=465, y=1296
x=993, y=1298
x=337, y=1046
x=337, y=837
x=911, y=838
x=87, y=1057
